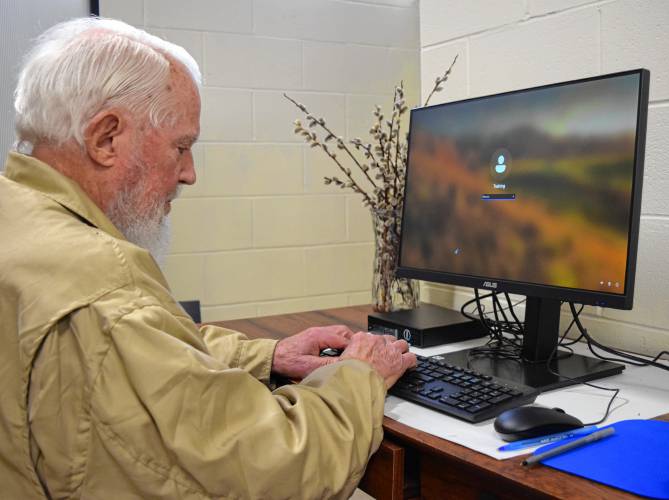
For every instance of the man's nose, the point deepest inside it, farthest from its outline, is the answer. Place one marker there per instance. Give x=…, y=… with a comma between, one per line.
x=187, y=174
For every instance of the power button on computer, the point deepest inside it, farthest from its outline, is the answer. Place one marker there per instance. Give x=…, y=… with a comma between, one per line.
x=406, y=334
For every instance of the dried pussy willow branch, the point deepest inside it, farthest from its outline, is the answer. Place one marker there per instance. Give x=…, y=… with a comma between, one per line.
x=390, y=171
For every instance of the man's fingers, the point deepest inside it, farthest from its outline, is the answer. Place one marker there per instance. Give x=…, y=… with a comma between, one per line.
x=402, y=345
x=333, y=339
x=409, y=360
x=340, y=330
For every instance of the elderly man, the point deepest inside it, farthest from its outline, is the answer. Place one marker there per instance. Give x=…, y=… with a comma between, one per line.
x=107, y=388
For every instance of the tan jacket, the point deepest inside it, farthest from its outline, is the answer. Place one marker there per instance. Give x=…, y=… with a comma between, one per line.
x=109, y=390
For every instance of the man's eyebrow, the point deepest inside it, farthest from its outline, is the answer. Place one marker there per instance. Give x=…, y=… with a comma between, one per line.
x=187, y=139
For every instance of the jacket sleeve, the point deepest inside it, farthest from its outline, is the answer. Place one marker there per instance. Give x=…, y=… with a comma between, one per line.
x=236, y=351
x=176, y=409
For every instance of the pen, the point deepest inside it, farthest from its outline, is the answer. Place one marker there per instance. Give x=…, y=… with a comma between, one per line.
x=558, y=450
x=548, y=438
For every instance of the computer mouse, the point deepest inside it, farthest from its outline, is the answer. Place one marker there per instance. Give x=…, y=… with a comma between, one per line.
x=330, y=351
x=531, y=421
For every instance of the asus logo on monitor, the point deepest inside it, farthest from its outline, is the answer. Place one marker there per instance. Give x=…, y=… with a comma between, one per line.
x=489, y=284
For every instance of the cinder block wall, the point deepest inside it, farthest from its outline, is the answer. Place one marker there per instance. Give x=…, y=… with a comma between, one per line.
x=513, y=44
x=259, y=233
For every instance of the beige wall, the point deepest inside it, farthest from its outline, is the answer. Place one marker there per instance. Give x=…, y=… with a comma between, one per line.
x=259, y=233
x=515, y=44
x=20, y=22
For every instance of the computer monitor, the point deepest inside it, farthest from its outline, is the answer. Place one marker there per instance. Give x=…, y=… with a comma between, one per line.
x=534, y=192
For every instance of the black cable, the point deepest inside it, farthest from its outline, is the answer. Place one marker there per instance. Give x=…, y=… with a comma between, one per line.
x=580, y=336
x=510, y=306
x=615, y=391
x=486, y=323
x=494, y=308
x=509, y=326
x=498, y=344
x=497, y=305
x=503, y=347
x=513, y=327
x=627, y=357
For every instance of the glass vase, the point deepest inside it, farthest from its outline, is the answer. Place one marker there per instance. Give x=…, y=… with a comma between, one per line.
x=390, y=293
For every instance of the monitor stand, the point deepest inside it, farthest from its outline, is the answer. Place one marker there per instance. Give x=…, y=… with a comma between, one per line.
x=578, y=368
x=542, y=321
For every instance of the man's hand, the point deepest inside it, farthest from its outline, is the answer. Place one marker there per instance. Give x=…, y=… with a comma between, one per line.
x=297, y=356
x=389, y=357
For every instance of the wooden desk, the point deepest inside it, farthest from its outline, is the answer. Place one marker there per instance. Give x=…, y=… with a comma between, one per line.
x=413, y=464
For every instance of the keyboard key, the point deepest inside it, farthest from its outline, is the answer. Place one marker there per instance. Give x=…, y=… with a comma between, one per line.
x=449, y=401
x=499, y=399
x=474, y=408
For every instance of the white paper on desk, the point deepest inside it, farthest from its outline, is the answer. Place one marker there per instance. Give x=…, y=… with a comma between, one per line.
x=644, y=393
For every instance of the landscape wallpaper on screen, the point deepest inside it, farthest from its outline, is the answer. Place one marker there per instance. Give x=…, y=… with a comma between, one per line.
x=533, y=186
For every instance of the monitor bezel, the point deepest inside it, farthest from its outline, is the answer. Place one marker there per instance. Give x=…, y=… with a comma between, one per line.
x=583, y=296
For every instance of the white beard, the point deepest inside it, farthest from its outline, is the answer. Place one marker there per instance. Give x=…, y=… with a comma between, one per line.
x=150, y=230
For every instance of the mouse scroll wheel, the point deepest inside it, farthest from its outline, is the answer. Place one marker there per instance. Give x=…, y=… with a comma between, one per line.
x=559, y=409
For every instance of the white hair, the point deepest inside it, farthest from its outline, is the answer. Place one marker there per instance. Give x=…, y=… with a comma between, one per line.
x=80, y=67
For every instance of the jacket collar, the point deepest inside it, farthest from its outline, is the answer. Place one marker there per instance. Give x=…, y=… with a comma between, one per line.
x=39, y=176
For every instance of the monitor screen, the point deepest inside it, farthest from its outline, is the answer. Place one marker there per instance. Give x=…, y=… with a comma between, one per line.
x=536, y=190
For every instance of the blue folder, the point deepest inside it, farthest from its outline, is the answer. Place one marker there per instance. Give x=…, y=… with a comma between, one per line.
x=635, y=458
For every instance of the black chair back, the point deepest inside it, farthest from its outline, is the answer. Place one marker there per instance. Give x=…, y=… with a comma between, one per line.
x=192, y=307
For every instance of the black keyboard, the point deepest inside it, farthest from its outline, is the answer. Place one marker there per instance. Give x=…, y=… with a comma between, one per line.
x=460, y=392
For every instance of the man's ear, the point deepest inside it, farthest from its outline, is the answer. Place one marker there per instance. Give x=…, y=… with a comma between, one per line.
x=102, y=136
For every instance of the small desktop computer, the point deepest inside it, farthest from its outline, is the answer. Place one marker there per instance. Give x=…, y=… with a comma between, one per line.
x=426, y=326
x=535, y=192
